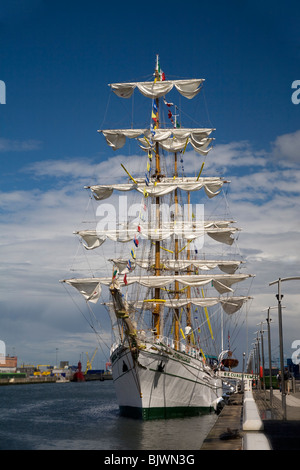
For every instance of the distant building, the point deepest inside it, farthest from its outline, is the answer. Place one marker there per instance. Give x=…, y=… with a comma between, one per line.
x=64, y=364
x=8, y=364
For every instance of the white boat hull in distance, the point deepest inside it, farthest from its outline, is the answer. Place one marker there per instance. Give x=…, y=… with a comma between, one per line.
x=163, y=384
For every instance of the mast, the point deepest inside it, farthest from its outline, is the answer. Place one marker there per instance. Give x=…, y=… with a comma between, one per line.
x=156, y=311
x=188, y=308
x=176, y=310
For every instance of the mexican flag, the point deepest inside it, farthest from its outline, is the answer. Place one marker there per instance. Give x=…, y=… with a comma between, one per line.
x=161, y=74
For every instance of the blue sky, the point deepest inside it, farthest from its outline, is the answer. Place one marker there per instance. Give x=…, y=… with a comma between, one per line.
x=56, y=61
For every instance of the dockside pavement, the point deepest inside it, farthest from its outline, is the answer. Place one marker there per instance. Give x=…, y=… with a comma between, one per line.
x=282, y=434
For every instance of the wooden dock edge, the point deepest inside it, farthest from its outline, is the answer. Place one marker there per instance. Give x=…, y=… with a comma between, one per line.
x=232, y=430
x=226, y=434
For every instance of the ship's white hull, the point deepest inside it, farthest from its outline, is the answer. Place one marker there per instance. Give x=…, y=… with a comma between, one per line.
x=161, y=384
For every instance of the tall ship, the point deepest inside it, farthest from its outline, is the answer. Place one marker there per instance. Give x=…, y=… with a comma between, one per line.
x=164, y=292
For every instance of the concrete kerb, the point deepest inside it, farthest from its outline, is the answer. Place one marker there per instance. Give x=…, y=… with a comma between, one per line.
x=255, y=441
x=252, y=422
x=251, y=417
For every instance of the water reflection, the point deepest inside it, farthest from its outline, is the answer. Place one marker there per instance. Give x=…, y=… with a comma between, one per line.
x=173, y=434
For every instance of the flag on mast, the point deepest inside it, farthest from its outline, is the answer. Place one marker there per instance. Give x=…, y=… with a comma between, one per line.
x=161, y=74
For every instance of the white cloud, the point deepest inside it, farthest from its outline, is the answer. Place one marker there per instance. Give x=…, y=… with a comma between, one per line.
x=287, y=147
x=8, y=145
x=85, y=169
x=267, y=183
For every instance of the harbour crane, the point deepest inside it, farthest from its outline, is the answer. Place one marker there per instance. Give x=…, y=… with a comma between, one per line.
x=89, y=362
x=45, y=372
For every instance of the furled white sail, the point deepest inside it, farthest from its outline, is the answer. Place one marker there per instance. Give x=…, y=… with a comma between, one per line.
x=201, y=147
x=172, y=140
x=89, y=289
x=228, y=267
x=230, y=305
x=187, y=88
x=218, y=230
x=117, y=138
x=175, y=140
x=212, y=187
x=221, y=282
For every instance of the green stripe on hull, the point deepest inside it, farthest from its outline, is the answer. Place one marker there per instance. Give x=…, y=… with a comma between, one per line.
x=163, y=413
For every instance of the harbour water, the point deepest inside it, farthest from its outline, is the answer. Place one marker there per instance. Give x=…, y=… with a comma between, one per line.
x=85, y=416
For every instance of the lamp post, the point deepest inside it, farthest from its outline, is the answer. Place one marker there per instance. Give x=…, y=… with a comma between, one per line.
x=243, y=386
x=279, y=298
x=257, y=362
x=268, y=321
x=258, y=358
x=251, y=362
x=253, y=354
x=262, y=353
